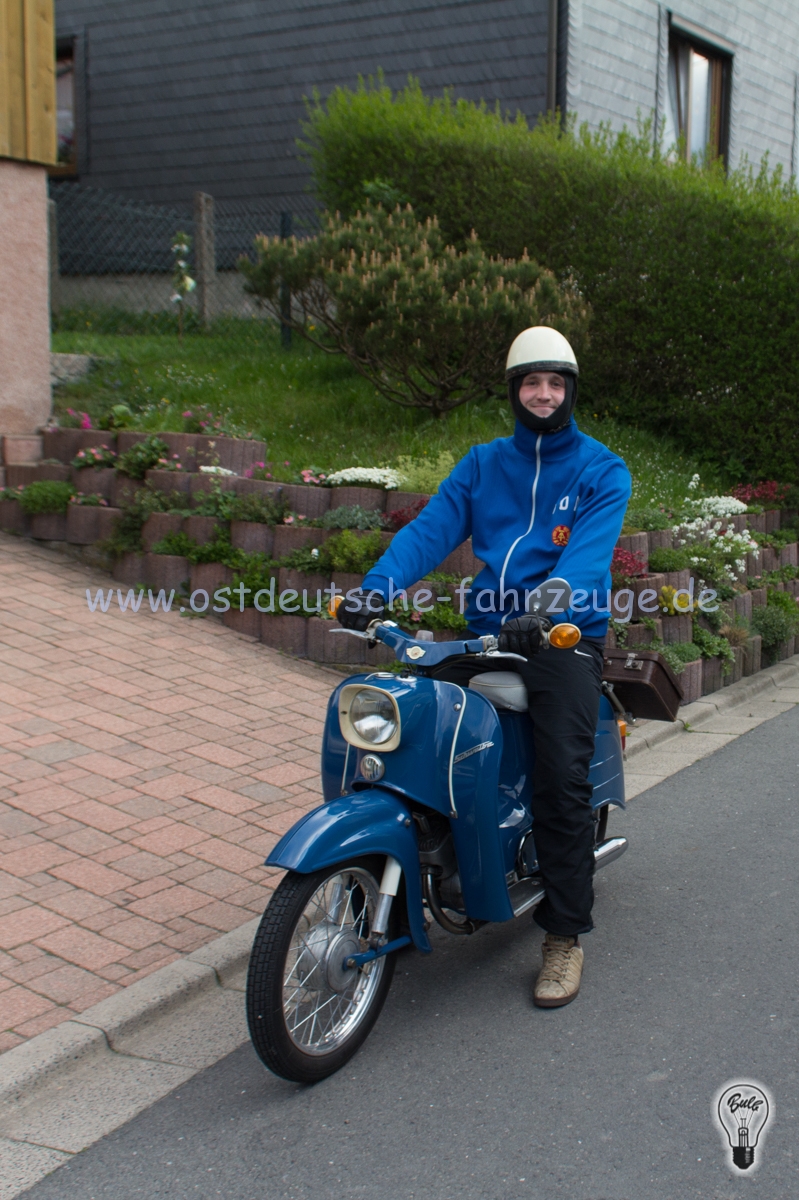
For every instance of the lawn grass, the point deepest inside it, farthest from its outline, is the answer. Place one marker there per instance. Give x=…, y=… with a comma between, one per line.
x=314, y=409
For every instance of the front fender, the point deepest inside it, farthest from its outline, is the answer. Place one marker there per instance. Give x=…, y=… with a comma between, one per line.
x=366, y=822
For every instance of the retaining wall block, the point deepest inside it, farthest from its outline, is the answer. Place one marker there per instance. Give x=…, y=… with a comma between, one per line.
x=49, y=527
x=677, y=579
x=252, y=537
x=157, y=526
x=786, y=649
x=772, y=516
x=756, y=522
x=769, y=559
x=83, y=524
x=170, y=482
x=311, y=502
x=64, y=444
x=691, y=681
x=208, y=577
x=677, y=629
x=167, y=571
x=20, y=475
x=127, y=439
x=789, y=555
x=759, y=597
x=294, y=537
x=635, y=543
x=129, y=569
x=660, y=539
x=94, y=481
x=202, y=530
x=201, y=484
x=124, y=490
x=247, y=622
x=736, y=670
x=57, y=472
x=398, y=500
x=369, y=498
x=12, y=518
x=257, y=487
x=711, y=675
x=462, y=562
x=753, y=654
x=286, y=633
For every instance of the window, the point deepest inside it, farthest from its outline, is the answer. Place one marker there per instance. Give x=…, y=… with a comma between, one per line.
x=65, y=108
x=698, y=98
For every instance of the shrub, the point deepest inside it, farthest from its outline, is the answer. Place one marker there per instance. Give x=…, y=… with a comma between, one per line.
x=348, y=552
x=401, y=517
x=786, y=603
x=354, y=516
x=142, y=457
x=678, y=654
x=263, y=510
x=126, y=538
x=639, y=520
x=689, y=274
x=426, y=324
x=770, y=494
x=774, y=625
x=46, y=496
x=425, y=474
x=665, y=560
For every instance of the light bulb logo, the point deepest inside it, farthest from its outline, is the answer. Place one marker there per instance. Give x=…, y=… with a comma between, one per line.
x=743, y=1111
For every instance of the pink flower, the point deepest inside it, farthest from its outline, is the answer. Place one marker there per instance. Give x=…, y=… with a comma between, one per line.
x=187, y=413
x=86, y=423
x=289, y=520
x=416, y=616
x=301, y=516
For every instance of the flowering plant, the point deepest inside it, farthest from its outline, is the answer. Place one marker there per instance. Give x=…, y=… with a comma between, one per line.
x=380, y=477
x=770, y=494
x=311, y=475
x=258, y=471
x=216, y=471
x=625, y=566
x=169, y=464
x=181, y=280
x=80, y=420
x=719, y=556
x=95, y=456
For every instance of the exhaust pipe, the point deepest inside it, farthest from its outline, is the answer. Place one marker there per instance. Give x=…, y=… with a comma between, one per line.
x=609, y=850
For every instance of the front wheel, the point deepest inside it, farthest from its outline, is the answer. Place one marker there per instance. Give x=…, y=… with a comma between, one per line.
x=307, y=1013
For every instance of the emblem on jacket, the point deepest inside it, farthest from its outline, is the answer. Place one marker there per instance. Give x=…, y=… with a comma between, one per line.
x=561, y=535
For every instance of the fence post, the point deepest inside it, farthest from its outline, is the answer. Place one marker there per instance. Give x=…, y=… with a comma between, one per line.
x=204, y=255
x=285, y=294
x=52, y=254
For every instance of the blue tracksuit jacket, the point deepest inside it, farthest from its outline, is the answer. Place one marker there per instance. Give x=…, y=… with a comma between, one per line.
x=536, y=506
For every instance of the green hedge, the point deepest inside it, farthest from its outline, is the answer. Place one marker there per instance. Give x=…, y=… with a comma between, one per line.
x=691, y=275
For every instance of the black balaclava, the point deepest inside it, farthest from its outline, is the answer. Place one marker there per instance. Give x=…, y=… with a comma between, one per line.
x=556, y=420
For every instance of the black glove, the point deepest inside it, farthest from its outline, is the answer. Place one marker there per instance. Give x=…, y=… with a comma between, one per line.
x=523, y=635
x=359, y=610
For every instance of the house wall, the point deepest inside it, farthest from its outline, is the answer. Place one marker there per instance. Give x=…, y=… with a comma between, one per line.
x=176, y=95
x=25, y=401
x=612, y=66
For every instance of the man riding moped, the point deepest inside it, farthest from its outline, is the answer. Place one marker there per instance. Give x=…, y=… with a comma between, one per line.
x=547, y=501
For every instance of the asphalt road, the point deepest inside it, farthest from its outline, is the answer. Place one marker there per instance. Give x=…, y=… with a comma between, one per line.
x=465, y=1091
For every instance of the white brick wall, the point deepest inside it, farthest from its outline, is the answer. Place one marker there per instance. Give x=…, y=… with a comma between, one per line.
x=612, y=66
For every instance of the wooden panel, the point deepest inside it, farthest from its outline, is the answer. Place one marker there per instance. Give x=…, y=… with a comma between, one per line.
x=27, y=80
x=40, y=104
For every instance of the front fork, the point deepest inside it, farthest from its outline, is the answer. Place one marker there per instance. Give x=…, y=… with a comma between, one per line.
x=389, y=886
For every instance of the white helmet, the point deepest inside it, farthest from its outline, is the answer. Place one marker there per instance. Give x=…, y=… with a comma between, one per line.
x=540, y=349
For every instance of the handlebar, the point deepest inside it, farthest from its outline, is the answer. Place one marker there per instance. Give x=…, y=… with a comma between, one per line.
x=430, y=654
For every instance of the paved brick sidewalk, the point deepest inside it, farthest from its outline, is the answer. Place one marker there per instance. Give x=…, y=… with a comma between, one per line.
x=147, y=764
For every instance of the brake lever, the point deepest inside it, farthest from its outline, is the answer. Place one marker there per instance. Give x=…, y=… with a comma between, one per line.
x=501, y=654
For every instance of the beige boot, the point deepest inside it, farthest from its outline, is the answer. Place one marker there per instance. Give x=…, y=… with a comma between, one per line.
x=559, y=980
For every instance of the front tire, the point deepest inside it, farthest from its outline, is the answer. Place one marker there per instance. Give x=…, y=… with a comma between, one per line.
x=307, y=1014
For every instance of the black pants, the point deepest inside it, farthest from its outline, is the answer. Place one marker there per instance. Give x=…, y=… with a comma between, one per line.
x=563, y=689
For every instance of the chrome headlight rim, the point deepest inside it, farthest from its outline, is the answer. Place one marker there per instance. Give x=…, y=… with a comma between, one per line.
x=352, y=735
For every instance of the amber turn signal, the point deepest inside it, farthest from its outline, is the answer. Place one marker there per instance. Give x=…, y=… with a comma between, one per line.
x=563, y=637
x=333, y=606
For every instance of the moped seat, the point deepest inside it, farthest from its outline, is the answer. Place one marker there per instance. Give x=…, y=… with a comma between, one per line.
x=505, y=689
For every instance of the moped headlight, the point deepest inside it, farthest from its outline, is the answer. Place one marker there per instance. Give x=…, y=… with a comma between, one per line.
x=373, y=716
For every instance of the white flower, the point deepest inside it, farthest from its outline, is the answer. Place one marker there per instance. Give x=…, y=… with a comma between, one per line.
x=383, y=477
x=216, y=471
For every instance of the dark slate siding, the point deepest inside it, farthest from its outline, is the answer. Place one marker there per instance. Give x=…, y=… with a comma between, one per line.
x=208, y=94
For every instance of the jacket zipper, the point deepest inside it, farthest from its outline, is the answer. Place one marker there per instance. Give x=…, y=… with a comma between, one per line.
x=529, y=527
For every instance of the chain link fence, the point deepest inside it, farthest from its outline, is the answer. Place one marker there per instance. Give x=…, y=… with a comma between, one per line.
x=111, y=255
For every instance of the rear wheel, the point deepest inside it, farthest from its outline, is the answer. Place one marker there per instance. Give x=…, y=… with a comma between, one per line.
x=307, y=1012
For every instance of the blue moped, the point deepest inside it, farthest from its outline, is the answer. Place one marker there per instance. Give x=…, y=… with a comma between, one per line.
x=427, y=806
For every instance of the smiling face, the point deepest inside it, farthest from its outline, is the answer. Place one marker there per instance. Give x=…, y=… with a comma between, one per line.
x=542, y=392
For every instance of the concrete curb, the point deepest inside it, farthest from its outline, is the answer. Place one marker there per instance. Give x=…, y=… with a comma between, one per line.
x=98, y=1029
x=102, y=1028
x=693, y=716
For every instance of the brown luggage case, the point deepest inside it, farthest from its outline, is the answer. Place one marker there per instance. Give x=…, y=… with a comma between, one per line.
x=644, y=683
